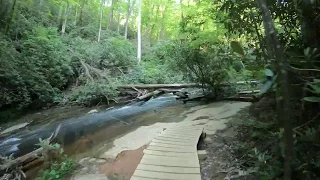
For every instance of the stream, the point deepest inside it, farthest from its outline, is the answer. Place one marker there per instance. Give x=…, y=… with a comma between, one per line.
x=92, y=134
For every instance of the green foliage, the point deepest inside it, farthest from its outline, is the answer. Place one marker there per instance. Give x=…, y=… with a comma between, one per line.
x=313, y=87
x=236, y=47
x=38, y=72
x=58, y=170
x=93, y=93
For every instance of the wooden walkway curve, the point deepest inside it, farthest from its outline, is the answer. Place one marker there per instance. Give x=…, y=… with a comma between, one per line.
x=172, y=155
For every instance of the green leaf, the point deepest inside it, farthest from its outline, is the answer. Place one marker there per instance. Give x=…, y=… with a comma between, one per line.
x=306, y=51
x=269, y=73
x=316, y=80
x=315, y=88
x=312, y=99
x=236, y=47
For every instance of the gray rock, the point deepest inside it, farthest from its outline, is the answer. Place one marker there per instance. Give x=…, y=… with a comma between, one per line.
x=84, y=161
x=101, y=161
x=14, y=128
x=93, y=111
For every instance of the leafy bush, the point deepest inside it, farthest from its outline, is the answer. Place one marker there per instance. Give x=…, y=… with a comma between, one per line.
x=58, y=170
x=93, y=93
x=38, y=71
x=202, y=66
x=12, y=85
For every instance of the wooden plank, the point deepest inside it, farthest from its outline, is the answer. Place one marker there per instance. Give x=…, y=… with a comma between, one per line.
x=171, y=161
x=167, y=176
x=184, y=128
x=174, y=142
x=172, y=145
x=172, y=155
x=180, y=170
x=143, y=178
x=156, y=148
x=189, y=135
x=168, y=154
x=177, y=137
x=193, y=159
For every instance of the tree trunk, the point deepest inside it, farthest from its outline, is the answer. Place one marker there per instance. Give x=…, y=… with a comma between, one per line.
x=118, y=19
x=63, y=28
x=100, y=20
x=162, y=30
x=153, y=25
x=139, y=31
x=148, y=21
x=283, y=74
x=75, y=17
x=309, y=24
x=10, y=17
x=111, y=14
x=127, y=20
x=157, y=86
x=81, y=11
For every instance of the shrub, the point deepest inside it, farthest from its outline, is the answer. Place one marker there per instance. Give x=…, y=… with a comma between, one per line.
x=93, y=93
x=58, y=170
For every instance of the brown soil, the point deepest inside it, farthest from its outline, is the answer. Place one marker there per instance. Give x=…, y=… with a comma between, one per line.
x=124, y=165
x=221, y=162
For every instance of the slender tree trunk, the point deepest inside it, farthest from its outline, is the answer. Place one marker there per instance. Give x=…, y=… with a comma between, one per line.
x=162, y=23
x=81, y=11
x=118, y=19
x=100, y=20
x=113, y=2
x=127, y=20
x=63, y=28
x=75, y=17
x=148, y=26
x=153, y=25
x=283, y=74
x=59, y=20
x=10, y=17
x=139, y=31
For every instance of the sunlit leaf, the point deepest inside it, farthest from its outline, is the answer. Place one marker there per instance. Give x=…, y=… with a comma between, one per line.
x=312, y=99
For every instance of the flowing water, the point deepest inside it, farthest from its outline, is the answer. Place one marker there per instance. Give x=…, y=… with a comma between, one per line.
x=93, y=134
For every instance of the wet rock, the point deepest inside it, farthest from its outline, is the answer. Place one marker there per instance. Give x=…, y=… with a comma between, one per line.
x=84, y=161
x=91, y=177
x=101, y=161
x=93, y=111
x=92, y=161
x=14, y=128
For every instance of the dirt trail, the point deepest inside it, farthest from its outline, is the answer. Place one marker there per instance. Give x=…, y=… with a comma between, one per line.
x=130, y=147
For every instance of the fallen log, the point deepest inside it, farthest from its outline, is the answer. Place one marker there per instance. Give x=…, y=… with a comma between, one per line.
x=249, y=92
x=242, y=99
x=158, y=86
x=172, y=86
x=150, y=94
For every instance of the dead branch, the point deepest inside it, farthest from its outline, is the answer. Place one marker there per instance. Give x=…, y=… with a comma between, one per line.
x=27, y=158
x=87, y=72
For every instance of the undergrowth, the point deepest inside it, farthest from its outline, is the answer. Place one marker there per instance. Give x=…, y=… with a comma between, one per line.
x=260, y=149
x=58, y=170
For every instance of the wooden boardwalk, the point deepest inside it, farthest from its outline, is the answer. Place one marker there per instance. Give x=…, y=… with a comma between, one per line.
x=172, y=155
